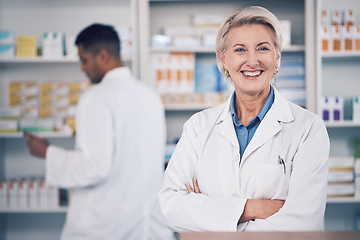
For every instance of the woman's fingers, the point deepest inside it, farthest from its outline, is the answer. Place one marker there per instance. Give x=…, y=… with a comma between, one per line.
x=188, y=187
x=196, y=186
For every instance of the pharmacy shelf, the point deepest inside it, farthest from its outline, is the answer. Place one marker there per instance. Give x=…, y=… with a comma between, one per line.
x=340, y=54
x=47, y=60
x=188, y=107
x=35, y=210
x=342, y=124
x=61, y=134
x=343, y=200
x=293, y=48
x=39, y=60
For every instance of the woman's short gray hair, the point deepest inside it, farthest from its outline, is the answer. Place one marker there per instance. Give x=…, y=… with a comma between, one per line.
x=250, y=15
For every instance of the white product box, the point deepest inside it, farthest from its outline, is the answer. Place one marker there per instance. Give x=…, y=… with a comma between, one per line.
x=286, y=32
x=7, y=37
x=7, y=51
x=341, y=162
x=356, y=108
x=357, y=187
x=3, y=194
x=10, y=112
x=341, y=189
x=159, y=40
x=207, y=20
x=341, y=176
x=8, y=125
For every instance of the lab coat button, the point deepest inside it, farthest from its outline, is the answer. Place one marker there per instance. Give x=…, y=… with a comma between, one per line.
x=236, y=195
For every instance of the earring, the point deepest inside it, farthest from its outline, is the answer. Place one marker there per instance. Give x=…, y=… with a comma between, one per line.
x=226, y=72
x=276, y=71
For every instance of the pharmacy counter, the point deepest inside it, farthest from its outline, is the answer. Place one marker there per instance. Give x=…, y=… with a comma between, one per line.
x=327, y=235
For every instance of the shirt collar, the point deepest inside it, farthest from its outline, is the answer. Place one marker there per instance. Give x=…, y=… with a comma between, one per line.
x=260, y=115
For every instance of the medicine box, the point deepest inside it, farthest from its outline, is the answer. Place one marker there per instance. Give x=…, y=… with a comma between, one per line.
x=26, y=46
x=7, y=50
x=7, y=37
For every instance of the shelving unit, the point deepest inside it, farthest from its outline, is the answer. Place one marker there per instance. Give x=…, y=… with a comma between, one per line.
x=39, y=210
x=338, y=74
x=326, y=73
x=36, y=17
x=155, y=15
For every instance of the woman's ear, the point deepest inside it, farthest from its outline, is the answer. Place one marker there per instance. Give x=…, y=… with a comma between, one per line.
x=222, y=58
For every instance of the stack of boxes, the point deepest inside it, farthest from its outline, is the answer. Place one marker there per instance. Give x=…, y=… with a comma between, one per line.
x=24, y=95
x=42, y=106
x=341, y=177
x=290, y=80
x=339, y=31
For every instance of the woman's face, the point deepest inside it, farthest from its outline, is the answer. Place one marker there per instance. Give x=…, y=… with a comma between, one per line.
x=251, y=58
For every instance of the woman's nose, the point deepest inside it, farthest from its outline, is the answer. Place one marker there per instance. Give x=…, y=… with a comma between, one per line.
x=252, y=59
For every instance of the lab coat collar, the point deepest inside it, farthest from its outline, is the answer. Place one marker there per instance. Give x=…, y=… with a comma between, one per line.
x=269, y=126
x=114, y=74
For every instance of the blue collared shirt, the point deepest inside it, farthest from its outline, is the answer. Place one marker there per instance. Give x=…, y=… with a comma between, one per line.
x=246, y=133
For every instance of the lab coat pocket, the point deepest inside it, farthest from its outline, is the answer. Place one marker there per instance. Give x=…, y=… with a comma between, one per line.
x=272, y=181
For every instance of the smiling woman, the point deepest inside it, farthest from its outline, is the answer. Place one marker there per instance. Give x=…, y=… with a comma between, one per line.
x=254, y=162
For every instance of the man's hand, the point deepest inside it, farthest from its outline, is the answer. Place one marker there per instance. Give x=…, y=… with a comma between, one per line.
x=37, y=146
x=260, y=209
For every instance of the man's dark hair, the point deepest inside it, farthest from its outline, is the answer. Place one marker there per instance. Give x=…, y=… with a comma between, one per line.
x=99, y=36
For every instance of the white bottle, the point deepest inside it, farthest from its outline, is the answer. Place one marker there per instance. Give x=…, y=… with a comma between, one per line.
x=356, y=108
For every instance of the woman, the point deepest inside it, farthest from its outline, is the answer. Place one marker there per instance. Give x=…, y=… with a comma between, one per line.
x=256, y=162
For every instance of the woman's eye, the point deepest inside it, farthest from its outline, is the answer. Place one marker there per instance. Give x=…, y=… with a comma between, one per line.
x=263, y=49
x=239, y=50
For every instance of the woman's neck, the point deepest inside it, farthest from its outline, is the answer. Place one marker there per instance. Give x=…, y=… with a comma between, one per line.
x=248, y=106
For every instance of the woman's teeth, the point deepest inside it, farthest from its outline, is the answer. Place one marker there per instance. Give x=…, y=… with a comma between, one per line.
x=252, y=74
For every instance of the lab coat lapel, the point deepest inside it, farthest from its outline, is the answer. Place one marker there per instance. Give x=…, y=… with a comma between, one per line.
x=226, y=127
x=270, y=125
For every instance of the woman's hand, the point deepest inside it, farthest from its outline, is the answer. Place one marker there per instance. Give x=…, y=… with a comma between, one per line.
x=260, y=209
x=195, y=184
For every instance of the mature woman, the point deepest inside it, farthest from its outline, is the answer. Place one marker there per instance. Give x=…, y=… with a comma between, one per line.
x=256, y=162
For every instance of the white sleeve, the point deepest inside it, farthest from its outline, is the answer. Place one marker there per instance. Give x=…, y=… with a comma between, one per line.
x=92, y=161
x=305, y=204
x=194, y=212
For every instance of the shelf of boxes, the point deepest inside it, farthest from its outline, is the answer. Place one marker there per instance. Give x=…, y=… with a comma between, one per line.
x=343, y=200
x=35, y=210
x=346, y=123
x=340, y=54
x=40, y=59
x=59, y=134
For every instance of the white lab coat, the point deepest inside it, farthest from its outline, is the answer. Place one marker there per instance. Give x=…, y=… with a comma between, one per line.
x=208, y=150
x=116, y=170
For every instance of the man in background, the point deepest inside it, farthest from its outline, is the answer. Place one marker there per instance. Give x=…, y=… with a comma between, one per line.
x=116, y=169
